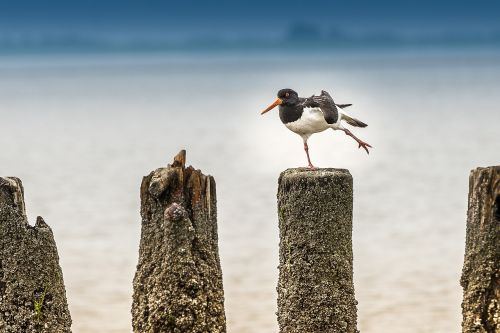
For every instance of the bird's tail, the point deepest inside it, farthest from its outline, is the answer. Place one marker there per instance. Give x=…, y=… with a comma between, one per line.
x=343, y=106
x=352, y=121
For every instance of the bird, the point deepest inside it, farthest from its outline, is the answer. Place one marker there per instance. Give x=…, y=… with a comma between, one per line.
x=306, y=116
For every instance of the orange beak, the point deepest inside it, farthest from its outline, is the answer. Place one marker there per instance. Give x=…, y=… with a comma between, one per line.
x=272, y=106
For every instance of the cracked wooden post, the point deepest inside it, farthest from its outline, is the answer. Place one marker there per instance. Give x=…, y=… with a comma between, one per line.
x=315, y=287
x=32, y=293
x=481, y=273
x=178, y=283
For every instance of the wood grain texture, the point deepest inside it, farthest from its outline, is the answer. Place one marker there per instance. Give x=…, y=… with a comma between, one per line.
x=178, y=282
x=480, y=275
x=315, y=287
x=32, y=292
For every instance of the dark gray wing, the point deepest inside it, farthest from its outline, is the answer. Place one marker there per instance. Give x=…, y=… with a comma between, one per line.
x=326, y=104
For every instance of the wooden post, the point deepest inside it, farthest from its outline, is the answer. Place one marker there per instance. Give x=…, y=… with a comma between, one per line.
x=32, y=293
x=481, y=272
x=178, y=283
x=315, y=287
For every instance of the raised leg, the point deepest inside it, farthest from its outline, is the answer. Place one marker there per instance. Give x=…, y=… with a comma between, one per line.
x=361, y=143
x=306, y=148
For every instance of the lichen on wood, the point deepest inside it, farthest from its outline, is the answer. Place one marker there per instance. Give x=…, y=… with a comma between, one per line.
x=32, y=293
x=315, y=287
x=178, y=282
x=481, y=271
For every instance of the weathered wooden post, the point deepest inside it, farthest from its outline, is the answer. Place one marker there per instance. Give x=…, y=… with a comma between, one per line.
x=315, y=287
x=481, y=271
x=178, y=283
x=32, y=293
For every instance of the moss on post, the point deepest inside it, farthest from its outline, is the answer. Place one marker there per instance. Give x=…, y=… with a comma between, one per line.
x=315, y=287
x=178, y=283
x=481, y=272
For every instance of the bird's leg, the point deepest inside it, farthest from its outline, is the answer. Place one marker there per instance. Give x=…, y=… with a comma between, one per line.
x=306, y=148
x=359, y=141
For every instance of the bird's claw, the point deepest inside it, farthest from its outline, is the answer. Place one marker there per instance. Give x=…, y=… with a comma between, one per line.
x=365, y=146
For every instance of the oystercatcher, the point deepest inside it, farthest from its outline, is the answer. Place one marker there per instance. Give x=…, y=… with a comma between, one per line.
x=306, y=116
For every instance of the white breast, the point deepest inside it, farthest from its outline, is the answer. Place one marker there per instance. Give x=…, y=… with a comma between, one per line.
x=312, y=121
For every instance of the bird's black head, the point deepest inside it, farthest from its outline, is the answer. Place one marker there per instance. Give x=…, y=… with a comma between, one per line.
x=288, y=96
x=285, y=97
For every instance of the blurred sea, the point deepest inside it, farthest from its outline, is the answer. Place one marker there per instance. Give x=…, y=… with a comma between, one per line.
x=81, y=131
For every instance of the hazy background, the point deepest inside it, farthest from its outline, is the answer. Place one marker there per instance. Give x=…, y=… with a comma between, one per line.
x=95, y=95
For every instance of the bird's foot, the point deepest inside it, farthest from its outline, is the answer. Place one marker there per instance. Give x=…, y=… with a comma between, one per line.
x=364, y=145
x=312, y=167
x=360, y=142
